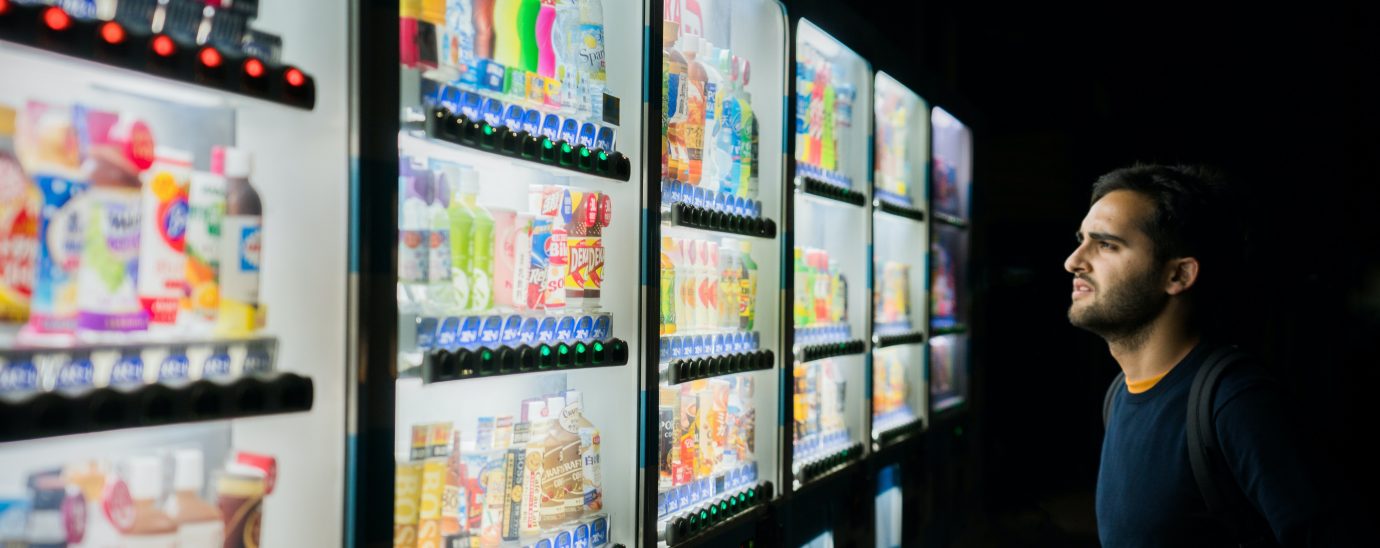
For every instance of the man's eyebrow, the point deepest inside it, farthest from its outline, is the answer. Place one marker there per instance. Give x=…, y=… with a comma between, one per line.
x=1104, y=237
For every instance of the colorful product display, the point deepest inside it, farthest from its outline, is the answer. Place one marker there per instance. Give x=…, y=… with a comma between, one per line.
x=710, y=155
x=531, y=479
x=130, y=502
x=707, y=440
x=818, y=415
x=821, y=290
x=944, y=289
x=107, y=254
x=889, y=387
x=893, y=297
x=707, y=286
x=533, y=53
x=892, y=163
x=824, y=113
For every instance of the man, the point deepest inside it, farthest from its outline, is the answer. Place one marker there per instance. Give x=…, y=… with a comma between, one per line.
x=1154, y=255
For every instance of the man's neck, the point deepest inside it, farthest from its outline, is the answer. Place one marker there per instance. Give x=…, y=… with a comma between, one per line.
x=1155, y=351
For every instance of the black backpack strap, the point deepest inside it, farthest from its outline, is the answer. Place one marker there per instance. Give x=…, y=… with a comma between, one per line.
x=1211, y=471
x=1107, y=399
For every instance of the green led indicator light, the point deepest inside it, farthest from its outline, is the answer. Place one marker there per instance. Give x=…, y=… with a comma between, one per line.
x=547, y=143
x=487, y=355
x=723, y=506
x=603, y=155
x=488, y=130
x=598, y=347
x=546, y=351
x=565, y=147
x=714, y=511
x=565, y=350
x=742, y=497
x=580, y=348
x=704, y=515
x=584, y=152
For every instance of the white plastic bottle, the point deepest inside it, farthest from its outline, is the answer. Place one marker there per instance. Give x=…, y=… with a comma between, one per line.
x=412, y=238
x=442, y=295
x=205, y=215
x=162, y=257
x=241, y=249
x=199, y=523
x=591, y=55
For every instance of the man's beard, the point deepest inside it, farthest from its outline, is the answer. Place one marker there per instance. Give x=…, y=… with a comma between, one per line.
x=1122, y=313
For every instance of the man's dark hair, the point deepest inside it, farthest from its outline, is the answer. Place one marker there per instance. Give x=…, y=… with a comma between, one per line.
x=1198, y=214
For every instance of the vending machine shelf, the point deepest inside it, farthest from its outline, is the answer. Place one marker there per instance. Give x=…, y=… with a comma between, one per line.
x=725, y=512
x=941, y=328
x=812, y=352
x=689, y=216
x=884, y=206
x=818, y=467
x=897, y=339
x=890, y=433
x=950, y=219
x=61, y=413
x=110, y=43
x=457, y=129
x=830, y=191
x=686, y=370
x=468, y=363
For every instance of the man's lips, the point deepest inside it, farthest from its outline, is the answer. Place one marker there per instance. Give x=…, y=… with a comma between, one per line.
x=1081, y=287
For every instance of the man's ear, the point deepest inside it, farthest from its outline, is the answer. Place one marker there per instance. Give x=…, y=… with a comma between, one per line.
x=1183, y=273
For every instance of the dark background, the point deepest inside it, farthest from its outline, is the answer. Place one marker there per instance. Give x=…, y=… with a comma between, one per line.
x=1281, y=98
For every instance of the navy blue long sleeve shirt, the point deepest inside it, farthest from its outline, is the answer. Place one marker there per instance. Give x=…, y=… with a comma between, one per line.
x=1146, y=494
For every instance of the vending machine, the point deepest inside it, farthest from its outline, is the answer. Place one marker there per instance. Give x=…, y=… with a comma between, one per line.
x=898, y=393
x=506, y=406
x=712, y=379
x=952, y=171
x=172, y=273
x=829, y=244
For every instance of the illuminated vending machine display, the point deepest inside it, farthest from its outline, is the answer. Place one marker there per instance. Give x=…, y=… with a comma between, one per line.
x=952, y=171
x=714, y=270
x=172, y=273
x=900, y=162
x=831, y=229
x=515, y=407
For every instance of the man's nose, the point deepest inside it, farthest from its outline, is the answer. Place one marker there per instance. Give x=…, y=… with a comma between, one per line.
x=1075, y=263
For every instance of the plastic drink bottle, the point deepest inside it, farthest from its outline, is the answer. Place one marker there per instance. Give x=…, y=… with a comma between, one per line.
x=162, y=238
x=241, y=249
x=481, y=251
x=205, y=214
x=461, y=219
x=546, y=51
x=484, y=29
x=441, y=292
x=507, y=42
x=527, y=14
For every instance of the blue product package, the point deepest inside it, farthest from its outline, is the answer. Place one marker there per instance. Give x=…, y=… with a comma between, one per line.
x=493, y=75
x=80, y=374
x=562, y=540
x=586, y=138
x=569, y=129
x=512, y=330
x=664, y=349
x=257, y=360
x=492, y=329
x=512, y=116
x=661, y=504
x=684, y=496
x=128, y=370
x=426, y=333
x=550, y=126
x=604, y=139
x=716, y=344
x=469, y=330
x=581, y=535
x=675, y=351
x=492, y=111
x=469, y=104
x=528, y=332
x=448, y=333
x=565, y=329
x=450, y=98
x=583, y=328
x=603, y=328
x=546, y=332
x=175, y=367
x=735, y=478
x=531, y=121
x=543, y=543
x=217, y=365
x=18, y=376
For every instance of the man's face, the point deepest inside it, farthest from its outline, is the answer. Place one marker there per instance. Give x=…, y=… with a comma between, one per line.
x=1117, y=286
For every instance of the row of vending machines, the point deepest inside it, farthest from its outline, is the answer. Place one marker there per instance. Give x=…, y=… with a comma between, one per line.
x=447, y=340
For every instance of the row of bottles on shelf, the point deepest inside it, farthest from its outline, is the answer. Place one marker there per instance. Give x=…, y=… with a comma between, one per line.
x=104, y=234
x=24, y=373
x=707, y=440
x=820, y=398
x=125, y=503
x=709, y=133
x=892, y=170
x=514, y=116
x=535, y=479
x=893, y=297
x=823, y=113
x=890, y=387
x=707, y=286
x=538, y=52
x=458, y=257
x=821, y=290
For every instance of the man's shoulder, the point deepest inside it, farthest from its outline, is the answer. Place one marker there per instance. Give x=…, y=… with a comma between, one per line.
x=1246, y=375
